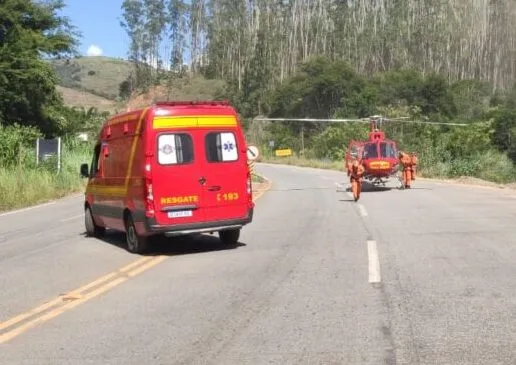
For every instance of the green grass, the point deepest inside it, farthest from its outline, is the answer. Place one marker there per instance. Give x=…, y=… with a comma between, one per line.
x=256, y=178
x=25, y=186
x=305, y=162
x=490, y=166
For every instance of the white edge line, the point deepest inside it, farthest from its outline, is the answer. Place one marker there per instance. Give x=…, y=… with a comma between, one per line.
x=363, y=211
x=72, y=196
x=72, y=218
x=26, y=209
x=374, y=262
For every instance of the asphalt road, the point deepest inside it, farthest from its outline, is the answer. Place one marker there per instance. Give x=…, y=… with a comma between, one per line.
x=423, y=276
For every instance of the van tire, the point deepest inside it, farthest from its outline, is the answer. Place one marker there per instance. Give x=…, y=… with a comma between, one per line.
x=92, y=230
x=229, y=237
x=135, y=243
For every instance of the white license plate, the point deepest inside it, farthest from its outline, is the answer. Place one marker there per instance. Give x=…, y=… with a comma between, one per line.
x=180, y=214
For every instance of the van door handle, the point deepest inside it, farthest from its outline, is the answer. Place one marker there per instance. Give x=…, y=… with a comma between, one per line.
x=214, y=188
x=202, y=180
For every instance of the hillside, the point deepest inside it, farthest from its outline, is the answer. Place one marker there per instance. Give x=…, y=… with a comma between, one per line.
x=78, y=98
x=94, y=82
x=100, y=76
x=186, y=88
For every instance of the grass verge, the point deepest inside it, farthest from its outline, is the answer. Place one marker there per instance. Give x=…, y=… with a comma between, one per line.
x=256, y=178
x=498, y=170
x=22, y=186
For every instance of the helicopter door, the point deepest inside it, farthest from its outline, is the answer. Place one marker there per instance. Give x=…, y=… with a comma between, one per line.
x=354, y=150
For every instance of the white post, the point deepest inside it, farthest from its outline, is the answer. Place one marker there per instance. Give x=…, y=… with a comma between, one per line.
x=58, y=154
x=37, y=151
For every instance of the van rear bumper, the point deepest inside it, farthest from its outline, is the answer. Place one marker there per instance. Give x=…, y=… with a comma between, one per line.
x=179, y=230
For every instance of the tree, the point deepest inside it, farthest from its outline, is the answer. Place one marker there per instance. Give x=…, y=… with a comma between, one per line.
x=134, y=21
x=28, y=30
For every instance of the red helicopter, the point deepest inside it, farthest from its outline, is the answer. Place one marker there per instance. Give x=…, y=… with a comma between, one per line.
x=379, y=155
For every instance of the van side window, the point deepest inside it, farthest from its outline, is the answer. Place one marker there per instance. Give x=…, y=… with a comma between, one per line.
x=221, y=147
x=175, y=149
x=95, y=162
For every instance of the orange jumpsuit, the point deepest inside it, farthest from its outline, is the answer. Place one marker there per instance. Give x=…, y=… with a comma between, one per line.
x=406, y=161
x=355, y=171
x=413, y=159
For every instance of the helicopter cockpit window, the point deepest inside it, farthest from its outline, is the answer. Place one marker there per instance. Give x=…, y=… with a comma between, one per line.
x=387, y=150
x=370, y=151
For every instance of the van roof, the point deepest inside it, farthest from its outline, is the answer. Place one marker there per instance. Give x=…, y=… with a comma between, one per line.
x=165, y=105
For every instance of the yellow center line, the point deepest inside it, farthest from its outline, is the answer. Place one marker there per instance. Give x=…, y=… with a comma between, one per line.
x=81, y=294
x=76, y=296
x=146, y=266
x=57, y=311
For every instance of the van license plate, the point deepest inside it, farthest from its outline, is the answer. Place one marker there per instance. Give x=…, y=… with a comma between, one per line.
x=180, y=214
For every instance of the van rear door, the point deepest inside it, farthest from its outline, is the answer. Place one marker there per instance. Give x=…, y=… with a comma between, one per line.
x=225, y=172
x=177, y=187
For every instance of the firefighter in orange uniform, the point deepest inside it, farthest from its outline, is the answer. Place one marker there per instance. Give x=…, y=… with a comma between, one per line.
x=355, y=170
x=413, y=160
x=406, y=163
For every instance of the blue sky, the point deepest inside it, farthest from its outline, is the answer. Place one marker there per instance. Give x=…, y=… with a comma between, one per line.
x=98, y=20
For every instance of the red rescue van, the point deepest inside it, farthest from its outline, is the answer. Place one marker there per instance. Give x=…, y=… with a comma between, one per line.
x=174, y=168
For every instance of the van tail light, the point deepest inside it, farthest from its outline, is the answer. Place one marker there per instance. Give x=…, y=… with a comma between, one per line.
x=249, y=185
x=149, y=195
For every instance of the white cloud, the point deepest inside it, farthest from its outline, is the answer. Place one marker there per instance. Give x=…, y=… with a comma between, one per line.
x=94, y=50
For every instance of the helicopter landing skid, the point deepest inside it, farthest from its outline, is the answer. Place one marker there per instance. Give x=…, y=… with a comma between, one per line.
x=378, y=181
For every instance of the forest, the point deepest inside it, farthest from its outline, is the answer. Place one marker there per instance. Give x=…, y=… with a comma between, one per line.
x=430, y=60
x=32, y=33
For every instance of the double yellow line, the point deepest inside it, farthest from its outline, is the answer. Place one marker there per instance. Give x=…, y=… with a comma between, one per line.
x=27, y=320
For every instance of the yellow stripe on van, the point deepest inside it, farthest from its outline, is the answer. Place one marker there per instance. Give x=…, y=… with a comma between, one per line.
x=217, y=121
x=133, y=148
x=174, y=122
x=106, y=190
x=193, y=122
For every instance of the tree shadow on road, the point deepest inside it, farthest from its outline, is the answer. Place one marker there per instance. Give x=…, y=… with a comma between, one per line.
x=173, y=246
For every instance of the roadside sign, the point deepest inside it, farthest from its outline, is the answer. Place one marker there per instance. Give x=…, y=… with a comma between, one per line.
x=252, y=153
x=283, y=153
x=46, y=148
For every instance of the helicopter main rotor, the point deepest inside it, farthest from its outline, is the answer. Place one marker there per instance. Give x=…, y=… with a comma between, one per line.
x=376, y=119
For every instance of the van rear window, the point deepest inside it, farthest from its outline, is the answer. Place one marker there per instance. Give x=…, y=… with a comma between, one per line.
x=175, y=149
x=221, y=147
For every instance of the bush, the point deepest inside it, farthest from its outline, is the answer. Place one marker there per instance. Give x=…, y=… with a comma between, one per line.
x=15, y=144
x=27, y=184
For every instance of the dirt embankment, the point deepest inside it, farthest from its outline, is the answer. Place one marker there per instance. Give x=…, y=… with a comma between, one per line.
x=183, y=89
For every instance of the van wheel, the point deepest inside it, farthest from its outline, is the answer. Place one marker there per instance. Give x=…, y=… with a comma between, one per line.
x=92, y=230
x=135, y=243
x=229, y=237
